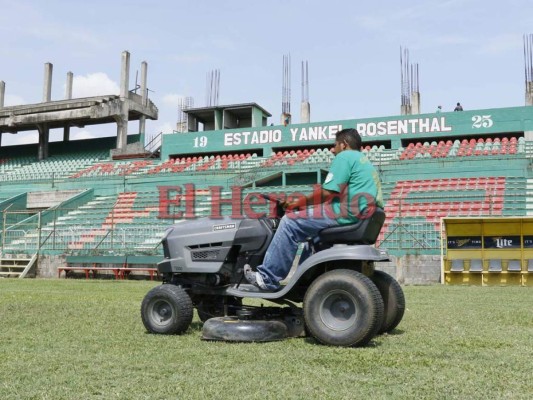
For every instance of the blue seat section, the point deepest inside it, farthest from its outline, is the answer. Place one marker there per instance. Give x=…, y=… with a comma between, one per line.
x=476, y=265
x=495, y=265
x=457, y=266
x=514, y=266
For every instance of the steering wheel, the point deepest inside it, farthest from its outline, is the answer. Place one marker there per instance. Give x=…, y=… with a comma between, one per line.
x=280, y=211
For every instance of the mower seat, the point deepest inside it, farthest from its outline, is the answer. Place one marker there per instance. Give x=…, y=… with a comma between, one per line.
x=365, y=231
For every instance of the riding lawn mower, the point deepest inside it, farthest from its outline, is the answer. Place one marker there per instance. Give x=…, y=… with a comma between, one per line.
x=335, y=296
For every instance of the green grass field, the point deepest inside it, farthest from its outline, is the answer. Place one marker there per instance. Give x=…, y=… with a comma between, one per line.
x=77, y=339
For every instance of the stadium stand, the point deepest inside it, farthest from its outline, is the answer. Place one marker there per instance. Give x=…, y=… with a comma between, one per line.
x=425, y=177
x=464, y=148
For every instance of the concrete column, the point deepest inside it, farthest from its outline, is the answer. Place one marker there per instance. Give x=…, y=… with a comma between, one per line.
x=68, y=96
x=47, y=88
x=305, y=112
x=66, y=133
x=144, y=88
x=529, y=93
x=192, y=124
x=415, y=103
x=285, y=119
x=122, y=131
x=144, y=94
x=68, y=87
x=528, y=135
x=44, y=135
x=405, y=110
x=125, y=75
x=122, y=120
x=2, y=93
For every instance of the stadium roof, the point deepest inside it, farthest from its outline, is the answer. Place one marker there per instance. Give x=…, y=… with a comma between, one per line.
x=242, y=109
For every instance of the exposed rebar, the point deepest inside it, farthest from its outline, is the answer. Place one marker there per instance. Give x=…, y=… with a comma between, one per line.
x=212, y=88
x=305, y=81
x=286, y=86
x=409, y=77
x=528, y=58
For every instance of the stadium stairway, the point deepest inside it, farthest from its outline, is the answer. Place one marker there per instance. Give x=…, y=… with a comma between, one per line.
x=16, y=267
x=113, y=224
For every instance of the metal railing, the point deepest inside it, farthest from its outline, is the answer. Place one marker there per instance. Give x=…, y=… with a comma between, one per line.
x=154, y=144
x=78, y=240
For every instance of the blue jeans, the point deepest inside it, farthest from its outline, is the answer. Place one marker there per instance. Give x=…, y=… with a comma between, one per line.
x=282, y=250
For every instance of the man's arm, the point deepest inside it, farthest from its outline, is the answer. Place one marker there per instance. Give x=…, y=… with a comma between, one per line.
x=310, y=199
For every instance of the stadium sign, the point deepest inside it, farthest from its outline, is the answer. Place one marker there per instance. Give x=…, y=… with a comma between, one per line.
x=501, y=242
x=464, y=242
x=403, y=126
x=447, y=125
x=297, y=134
x=326, y=133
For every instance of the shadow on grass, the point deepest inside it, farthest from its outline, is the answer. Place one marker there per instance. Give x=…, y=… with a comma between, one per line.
x=394, y=332
x=313, y=341
x=196, y=326
x=372, y=343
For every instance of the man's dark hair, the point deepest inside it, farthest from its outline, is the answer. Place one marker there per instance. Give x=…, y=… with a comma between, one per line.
x=351, y=137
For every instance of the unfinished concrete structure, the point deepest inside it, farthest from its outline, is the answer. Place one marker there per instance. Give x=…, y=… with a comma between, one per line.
x=119, y=109
x=286, y=92
x=305, y=107
x=410, y=91
x=246, y=115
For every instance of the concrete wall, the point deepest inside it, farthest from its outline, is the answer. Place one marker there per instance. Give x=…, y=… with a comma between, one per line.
x=47, y=265
x=49, y=199
x=230, y=120
x=413, y=270
x=408, y=270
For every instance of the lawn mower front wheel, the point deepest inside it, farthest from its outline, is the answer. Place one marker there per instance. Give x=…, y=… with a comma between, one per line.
x=167, y=309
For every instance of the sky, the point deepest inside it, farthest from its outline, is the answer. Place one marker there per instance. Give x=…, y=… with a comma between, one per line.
x=468, y=51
